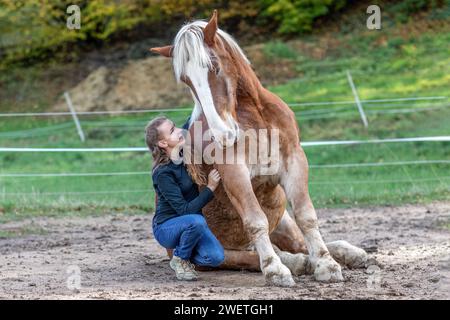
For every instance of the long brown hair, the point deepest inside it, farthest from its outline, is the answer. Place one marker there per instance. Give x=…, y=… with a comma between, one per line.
x=152, y=136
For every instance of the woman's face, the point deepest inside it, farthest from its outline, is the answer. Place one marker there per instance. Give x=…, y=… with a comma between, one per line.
x=171, y=136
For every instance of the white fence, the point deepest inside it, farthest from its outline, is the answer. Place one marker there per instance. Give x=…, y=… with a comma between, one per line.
x=390, y=105
x=304, y=144
x=373, y=106
x=441, y=179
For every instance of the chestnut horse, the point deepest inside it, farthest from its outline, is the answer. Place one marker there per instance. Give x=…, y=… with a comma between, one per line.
x=248, y=213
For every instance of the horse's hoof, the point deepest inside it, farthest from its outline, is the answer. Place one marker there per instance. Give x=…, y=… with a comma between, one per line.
x=280, y=280
x=347, y=254
x=297, y=263
x=278, y=275
x=328, y=270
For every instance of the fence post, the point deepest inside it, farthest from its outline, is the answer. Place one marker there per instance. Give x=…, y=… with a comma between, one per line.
x=74, y=116
x=358, y=102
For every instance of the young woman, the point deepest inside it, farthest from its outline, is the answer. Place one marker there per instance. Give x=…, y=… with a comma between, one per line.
x=178, y=222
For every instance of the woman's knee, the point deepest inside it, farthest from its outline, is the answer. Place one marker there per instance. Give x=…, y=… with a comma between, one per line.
x=217, y=257
x=196, y=222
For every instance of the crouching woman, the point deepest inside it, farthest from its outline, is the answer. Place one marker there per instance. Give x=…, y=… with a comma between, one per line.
x=178, y=222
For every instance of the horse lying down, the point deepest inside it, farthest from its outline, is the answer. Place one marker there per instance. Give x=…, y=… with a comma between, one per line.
x=248, y=213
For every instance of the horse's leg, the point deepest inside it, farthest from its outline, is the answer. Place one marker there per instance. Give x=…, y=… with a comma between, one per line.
x=298, y=263
x=289, y=245
x=241, y=259
x=288, y=238
x=347, y=254
x=294, y=179
x=234, y=260
x=342, y=251
x=237, y=185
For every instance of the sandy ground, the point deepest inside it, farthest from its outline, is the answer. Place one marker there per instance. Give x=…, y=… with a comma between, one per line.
x=116, y=257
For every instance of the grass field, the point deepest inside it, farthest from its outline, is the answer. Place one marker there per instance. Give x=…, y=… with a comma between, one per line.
x=400, y=68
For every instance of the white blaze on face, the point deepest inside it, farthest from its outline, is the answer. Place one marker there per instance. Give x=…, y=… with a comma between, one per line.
x=198, y=76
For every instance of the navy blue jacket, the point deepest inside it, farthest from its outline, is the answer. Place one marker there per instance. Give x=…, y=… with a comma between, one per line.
x=176, y=191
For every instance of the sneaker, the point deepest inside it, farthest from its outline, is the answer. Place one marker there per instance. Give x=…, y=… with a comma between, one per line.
x=184, y=270
x=192, y=267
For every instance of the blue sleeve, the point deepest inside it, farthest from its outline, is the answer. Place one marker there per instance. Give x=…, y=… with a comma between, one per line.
x=186, y=125
x=171, y=192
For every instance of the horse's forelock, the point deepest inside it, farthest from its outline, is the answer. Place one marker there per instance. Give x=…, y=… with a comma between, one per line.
x=191, y=57
x=189, y=45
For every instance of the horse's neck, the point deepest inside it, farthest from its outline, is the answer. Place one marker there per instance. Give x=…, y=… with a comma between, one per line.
x=250, y=89
x=251, y=94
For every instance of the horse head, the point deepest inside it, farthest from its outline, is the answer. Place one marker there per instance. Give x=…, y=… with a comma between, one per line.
x=209, y=62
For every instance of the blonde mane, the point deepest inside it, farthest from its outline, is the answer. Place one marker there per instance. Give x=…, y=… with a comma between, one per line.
x=189, y=46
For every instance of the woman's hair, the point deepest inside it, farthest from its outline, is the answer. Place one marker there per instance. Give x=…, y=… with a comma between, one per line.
x=152, y=137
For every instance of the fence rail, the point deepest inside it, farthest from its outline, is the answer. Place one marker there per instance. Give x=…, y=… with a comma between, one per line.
x=147, y=173
x=304, y=144
x=114, y=112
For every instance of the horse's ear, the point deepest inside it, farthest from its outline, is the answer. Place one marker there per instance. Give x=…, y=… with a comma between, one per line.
x=210, y=29
x=166, y=51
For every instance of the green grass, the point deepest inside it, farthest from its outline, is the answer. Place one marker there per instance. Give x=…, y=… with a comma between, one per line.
x=278, y=49
x=328, y=186
x=401, y=68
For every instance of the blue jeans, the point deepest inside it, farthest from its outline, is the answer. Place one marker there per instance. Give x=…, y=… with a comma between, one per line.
x=192, y=239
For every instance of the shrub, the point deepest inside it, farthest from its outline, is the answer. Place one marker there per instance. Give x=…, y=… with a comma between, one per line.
x=297, y=16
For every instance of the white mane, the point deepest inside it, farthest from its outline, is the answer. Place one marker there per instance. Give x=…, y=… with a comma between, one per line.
x=189, y=46
x=192, y=57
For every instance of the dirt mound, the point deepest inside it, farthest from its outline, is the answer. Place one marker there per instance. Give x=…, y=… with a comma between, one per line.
x=149, y=83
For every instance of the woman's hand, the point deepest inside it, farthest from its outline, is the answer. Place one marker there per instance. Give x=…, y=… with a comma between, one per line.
x=213, y=179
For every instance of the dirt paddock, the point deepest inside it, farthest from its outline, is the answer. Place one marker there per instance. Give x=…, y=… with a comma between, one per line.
x=116, y=257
